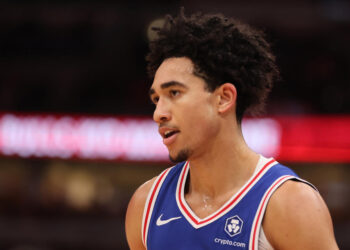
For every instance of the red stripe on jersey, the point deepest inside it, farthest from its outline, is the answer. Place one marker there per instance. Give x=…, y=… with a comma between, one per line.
x=150, y=205
x=179, y=194
x=263, y=205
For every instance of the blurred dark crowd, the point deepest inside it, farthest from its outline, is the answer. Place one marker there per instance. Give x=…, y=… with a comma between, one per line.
x=88, y=57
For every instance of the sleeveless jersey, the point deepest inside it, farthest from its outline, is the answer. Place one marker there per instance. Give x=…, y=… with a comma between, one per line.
x=169, y=223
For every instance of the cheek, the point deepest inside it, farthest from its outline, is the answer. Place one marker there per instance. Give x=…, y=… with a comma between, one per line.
x=202, y=123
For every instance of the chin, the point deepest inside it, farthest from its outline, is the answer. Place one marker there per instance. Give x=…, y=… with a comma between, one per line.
x=181, y=156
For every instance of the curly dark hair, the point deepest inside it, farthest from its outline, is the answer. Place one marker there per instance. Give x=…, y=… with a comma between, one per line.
x=222, y=50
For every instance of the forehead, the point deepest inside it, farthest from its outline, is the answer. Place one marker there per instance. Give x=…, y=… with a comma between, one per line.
x=179, y=69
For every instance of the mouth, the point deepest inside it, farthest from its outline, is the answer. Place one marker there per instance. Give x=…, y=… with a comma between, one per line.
x=169, y=135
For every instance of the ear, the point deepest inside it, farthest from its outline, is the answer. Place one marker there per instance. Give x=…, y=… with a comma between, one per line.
x=227, y=96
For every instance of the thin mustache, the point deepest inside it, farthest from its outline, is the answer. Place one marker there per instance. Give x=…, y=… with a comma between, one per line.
x=167, y=126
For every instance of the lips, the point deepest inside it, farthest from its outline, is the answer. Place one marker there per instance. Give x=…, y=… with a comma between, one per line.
x=169, y=134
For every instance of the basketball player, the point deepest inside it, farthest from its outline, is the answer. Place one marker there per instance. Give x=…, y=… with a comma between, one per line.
x=208, y=72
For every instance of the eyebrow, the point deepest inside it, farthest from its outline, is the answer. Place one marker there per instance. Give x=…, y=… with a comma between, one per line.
x=168, y=85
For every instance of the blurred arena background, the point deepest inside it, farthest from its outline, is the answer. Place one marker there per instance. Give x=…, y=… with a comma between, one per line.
x=76, y=137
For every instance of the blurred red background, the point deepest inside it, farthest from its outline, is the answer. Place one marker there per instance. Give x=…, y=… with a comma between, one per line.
x=86, y=60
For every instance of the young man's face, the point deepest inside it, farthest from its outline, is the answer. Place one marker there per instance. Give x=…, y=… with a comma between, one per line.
x=185, y=111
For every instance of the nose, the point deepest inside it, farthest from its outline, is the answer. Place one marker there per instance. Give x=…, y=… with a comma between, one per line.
x=162, y=112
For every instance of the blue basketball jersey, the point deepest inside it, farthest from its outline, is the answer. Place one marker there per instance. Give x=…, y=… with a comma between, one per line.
x=169, y=223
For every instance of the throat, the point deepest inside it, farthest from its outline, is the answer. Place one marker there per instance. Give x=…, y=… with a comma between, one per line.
x=207, y=203
x=211, y=195
x=204, y=205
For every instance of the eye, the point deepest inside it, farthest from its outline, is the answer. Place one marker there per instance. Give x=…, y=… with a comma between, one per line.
x=155, y=99
x=174, y=93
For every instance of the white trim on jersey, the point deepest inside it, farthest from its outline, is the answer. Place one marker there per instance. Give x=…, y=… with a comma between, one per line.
x=254, y=234
x=149, y=205
x=191, y=217
x=256, y=227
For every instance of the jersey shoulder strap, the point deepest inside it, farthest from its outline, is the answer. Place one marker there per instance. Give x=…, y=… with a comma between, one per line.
x=274, y=178
x=166, y=175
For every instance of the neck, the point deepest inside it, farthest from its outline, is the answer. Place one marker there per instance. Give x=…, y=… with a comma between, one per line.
x=223, y=167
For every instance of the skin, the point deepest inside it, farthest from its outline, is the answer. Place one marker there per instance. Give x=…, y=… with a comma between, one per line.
x=221, y=162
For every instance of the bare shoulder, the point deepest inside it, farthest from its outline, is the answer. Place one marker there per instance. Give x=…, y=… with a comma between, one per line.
x=133, y=219
x=297, y=218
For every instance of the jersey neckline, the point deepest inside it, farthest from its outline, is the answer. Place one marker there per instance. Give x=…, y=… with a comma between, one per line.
x=262, y=167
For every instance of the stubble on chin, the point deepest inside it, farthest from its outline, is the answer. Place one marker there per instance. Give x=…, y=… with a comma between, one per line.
x=181, y=156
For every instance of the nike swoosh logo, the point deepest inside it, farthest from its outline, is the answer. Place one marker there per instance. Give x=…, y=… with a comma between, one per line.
x=161, y=222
